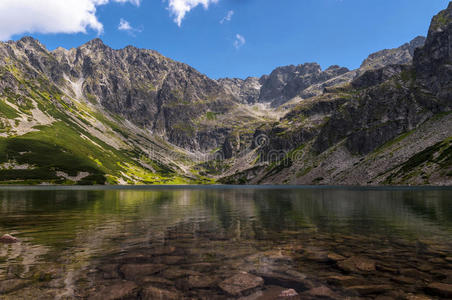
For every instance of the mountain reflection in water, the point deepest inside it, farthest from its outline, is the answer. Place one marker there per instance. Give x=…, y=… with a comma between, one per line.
x=198, y=243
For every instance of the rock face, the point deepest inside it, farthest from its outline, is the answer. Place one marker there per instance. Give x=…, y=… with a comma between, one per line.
x=432, y=62
x=245, y=91
x=143, y=86
x=284, y=83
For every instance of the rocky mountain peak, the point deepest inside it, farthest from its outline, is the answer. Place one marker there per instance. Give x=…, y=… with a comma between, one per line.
x=30, y=43
x=417, y=42
x=432, y=62
x=96, y=43
x=401, y=55
x=285, y=83
x=441, y=21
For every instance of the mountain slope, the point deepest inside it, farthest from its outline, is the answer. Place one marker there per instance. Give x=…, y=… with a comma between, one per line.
x=388, y=126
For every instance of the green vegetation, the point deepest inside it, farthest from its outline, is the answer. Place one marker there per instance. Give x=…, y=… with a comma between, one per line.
x=393, y=142
x=440, y=154
x=441, y=20
x=8, y=111
x=211, y=116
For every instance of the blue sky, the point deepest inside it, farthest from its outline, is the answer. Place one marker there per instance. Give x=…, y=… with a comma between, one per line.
x=257, y=37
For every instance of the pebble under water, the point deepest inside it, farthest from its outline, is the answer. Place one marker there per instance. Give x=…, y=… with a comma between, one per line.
x=223, y=243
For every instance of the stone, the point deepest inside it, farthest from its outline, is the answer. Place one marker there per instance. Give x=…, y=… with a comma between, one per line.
x=321, y=292
x=335, y=257
x=284, y=278
x=426, y=267
x=118, y=291
x=404, y=280
x=133, y=258
x=288, y=294
x=345, y=280
x=168, y=260
x=154, y=280
x=417, y=297
x=440, y=289
x=203, y=267
x=241, y=284
x=11, y=285
x=134, y=271
x=164, y=250
x=357, y=264
x=199, y=282
x=8, y=239
x=154, y=293
x=109, y=271
x=370, y=289
x=415, y=274
x=174, y=273
x=384, y=268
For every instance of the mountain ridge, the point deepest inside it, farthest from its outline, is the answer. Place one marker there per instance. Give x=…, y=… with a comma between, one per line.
x=133, y=116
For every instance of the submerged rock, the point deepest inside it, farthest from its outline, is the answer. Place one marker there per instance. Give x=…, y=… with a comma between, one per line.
x=287, y=278
x=357, y=264
x=241, y=284
x=8, y=286
x=336, y=257
x=288, y=294
x=154, y=293
x=120, y=290
x=174, y=273
x=197, y=282
x=134, y=271
x=321, y=292
x=440, y=289
x=109, y=271
x=8, y=239
x=370, y=289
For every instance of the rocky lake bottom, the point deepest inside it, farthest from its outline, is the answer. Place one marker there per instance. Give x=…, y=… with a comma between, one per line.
x=226, y=243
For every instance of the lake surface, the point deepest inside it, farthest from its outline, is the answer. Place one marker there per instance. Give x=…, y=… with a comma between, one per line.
x=231, y=242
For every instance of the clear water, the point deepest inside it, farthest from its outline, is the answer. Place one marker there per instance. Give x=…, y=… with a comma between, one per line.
x=75, y=242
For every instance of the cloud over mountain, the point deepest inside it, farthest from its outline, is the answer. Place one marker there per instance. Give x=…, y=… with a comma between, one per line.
x=51, y=16
x=179, y=8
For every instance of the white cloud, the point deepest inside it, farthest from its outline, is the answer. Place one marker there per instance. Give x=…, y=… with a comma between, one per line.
x=124, y=25
x=239, y=41
x=179, y=8
x=228, y=17
x=51, y=16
